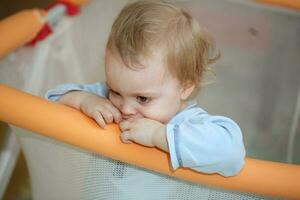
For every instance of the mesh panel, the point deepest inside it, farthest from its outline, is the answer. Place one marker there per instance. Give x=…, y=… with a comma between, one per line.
x=71, y=173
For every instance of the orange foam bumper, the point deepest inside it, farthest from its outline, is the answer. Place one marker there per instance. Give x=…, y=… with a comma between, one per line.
x=292, y=4
x=18, y=29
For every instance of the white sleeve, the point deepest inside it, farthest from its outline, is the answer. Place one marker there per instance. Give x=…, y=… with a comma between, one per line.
x=96, y=88
x=209, y=144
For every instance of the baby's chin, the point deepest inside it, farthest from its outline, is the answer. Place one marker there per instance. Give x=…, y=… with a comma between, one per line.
x=163, y=121
x=159, y=119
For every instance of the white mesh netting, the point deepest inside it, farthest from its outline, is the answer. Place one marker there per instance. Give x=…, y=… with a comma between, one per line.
x=60, y=171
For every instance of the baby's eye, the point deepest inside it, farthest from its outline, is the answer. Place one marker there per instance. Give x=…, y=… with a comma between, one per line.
x=114, y=93
x=143, y=100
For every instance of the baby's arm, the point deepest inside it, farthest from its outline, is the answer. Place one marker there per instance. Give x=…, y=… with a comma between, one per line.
x=205, y=143
x=90, y=99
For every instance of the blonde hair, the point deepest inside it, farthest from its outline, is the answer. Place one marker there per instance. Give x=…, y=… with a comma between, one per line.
x=143, y=26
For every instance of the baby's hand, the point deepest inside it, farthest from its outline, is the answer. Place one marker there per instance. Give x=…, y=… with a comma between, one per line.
x=100, y=109
x=144, y=131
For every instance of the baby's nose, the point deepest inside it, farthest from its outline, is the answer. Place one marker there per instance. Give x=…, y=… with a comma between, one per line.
x=128, y=109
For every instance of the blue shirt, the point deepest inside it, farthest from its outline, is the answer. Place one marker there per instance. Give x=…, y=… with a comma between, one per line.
x=196, y=139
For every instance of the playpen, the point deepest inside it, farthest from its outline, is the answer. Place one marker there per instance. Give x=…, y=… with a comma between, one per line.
x=70, y=157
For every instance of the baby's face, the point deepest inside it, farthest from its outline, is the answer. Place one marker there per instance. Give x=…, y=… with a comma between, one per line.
x=149, y=92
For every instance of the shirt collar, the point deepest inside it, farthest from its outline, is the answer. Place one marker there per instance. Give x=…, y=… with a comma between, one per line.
x=181, y=115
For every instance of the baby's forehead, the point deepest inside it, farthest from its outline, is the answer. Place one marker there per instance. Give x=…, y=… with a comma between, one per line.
x=150, y=78
x=148, y=75
x=153, y=66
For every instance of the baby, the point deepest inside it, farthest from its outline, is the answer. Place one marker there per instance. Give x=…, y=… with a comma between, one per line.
x=154, y=61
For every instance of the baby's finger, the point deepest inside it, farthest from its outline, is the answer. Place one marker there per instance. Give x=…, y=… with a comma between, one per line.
x=125, y=125
x=99, y=119
x=107, y=115
x=125, y=137
x=116, y=113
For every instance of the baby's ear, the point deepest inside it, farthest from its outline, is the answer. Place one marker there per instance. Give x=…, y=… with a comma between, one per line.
x=186, y=90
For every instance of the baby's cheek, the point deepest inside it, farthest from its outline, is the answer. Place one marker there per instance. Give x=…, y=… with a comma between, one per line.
x=158, y=115
x=116, y=102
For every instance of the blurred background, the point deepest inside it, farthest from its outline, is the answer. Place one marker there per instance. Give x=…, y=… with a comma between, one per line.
x=8, y=7
x=19, y=185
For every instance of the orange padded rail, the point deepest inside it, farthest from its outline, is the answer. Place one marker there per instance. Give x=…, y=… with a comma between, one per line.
x=20, y=28
x=71, y=126
x=292, y=4
x=78, y=2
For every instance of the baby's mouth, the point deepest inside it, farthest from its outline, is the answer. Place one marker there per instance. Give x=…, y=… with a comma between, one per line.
x=126, y=117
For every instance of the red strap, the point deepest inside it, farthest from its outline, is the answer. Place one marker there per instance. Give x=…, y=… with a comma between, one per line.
x=71, y=10
x=44, y=32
